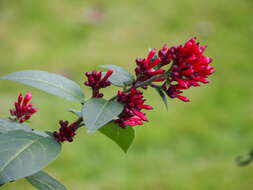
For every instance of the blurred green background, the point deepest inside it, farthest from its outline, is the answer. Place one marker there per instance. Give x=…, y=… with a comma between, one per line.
x=193, y=145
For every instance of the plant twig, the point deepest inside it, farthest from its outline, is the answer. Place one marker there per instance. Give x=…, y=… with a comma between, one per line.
x=141, y=84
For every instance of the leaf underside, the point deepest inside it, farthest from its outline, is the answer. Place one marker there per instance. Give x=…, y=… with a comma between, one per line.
x=42, y=181
x=48, y=82
x=120, y=77
x=75, y=112
x=24, y=153
x=8, y=125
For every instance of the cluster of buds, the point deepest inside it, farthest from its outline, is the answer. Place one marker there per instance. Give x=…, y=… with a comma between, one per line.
x=96, y=82
x=66, y=132
x=189, y=68
x=133, y=104
x=23, y=110
x=148, y=67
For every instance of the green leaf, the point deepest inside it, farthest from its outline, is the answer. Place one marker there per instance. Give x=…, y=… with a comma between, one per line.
x=120, y=76
x=163, y=96
x=97, y=112
x=48, y=82
x=8, y=125
x=76, y=112
x=24, y=153
x=42, y=181
x=122, y=137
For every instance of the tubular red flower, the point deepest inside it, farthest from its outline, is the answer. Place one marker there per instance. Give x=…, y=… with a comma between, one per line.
x=96, y=82
x=23, y=111
x=107, y=75
x=133, y=104
x=164, y=55
x=146, y=68
x=154, y=63
x=183, y=98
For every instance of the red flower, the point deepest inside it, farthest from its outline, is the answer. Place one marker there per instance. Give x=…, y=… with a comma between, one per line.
x=133, y=104
x=173, y=92
x=190, y=67
x=66, y=131
x=23, y=111
x=164, y=55
x=146, y=68
x=96, y=82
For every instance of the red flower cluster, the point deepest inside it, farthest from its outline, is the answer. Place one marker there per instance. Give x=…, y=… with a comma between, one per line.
x=189, y=68
x=133, y=104
x=146, y=68
x=23, y=111
x=66, y=131
x=96, y=82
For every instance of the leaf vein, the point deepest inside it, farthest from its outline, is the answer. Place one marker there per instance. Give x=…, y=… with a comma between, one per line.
x=18, y=153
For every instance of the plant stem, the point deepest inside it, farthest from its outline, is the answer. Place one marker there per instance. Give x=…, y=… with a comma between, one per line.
x=79, y=122
x=141, y=84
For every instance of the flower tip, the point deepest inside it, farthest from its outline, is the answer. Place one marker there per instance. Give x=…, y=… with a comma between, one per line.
x=110, y=71
x=151, y=54
x=29, y=94
x=20, y=98
x=107, y=75
x=28, y=97
x=183, y=98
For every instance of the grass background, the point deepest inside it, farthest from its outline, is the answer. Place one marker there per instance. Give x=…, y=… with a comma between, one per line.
x=193, y=145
